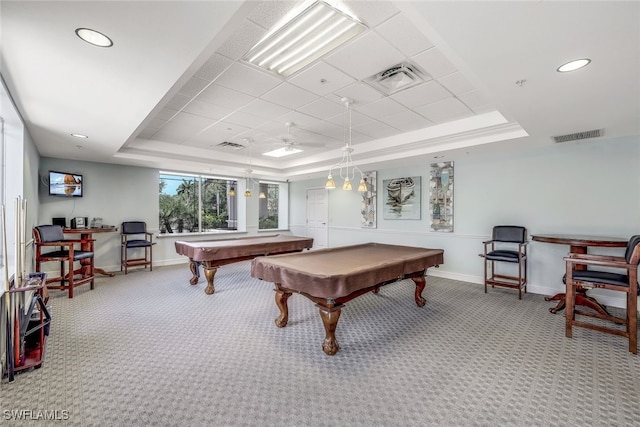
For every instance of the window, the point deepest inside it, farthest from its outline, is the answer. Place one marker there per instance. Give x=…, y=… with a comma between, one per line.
x=195, y=204
x=268, y=206
x=273, y=208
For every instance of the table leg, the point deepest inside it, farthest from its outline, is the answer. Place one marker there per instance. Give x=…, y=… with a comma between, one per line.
x=101, y=271
x=209, y=273
x=281, y=302
x=330, y=318
x=195, y=270
x=420, y=284
x=561, y=298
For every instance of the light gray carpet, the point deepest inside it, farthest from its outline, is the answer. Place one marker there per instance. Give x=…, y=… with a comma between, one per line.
x=148, y=349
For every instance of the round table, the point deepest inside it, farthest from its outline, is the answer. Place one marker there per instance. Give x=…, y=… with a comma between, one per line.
x=579, y=244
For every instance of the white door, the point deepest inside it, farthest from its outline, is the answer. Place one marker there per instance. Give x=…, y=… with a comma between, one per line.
x=317, y=217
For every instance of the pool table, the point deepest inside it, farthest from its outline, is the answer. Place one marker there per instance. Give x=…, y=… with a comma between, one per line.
x=331, y=277
x=212, y=254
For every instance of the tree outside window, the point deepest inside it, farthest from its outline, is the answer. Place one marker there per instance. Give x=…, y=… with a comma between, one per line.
x=192, y=204
x=268, y=206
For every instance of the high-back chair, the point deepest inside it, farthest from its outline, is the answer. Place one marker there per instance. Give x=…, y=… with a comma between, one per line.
x=134, y=236
x=66, y=253
x=623, y=278
x=508, y=244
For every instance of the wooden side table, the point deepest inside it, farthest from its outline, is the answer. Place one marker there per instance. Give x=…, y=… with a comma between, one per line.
x=579, y=244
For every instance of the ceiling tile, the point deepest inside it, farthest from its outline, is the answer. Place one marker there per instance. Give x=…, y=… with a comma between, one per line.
x=433, y=62
x=176, y=132
x=268, y=13
x=213, y=67
x=225, y=97
x=360, y=93
x=166, y=113
x=265, y=109
x=321, y=79
x=178, y=102
x=402, y=34
x=219, y=132
x=426, y=93
x=249, y=80
x=206, y=109
x=456, y=83
x=371, y=13
x=379, y=108
x=193, y=87
x=322, y=108
x=245, y=119
x=406, y=121
x=375, y=130
x=242, y=40
x=367, y=55
x=445, y=110
x=289, y=96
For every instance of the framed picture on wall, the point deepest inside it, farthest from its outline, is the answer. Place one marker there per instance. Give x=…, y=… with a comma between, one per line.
x=369, y=201
x=402, y=198
x=441, y=197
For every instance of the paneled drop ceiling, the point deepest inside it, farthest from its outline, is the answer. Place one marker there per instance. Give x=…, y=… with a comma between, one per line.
x=174, y=93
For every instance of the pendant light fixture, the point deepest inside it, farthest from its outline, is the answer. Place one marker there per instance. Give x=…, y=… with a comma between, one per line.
x=347, y=170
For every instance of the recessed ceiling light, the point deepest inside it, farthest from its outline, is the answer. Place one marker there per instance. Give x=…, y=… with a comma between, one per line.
x=280, y=152
x=574, y=65
x=438, y=157
x=94, y=37
x=79, y=135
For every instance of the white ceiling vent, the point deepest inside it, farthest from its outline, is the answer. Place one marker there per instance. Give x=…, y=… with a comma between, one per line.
x=579, y=135
x=232, y=145
x=397, y=78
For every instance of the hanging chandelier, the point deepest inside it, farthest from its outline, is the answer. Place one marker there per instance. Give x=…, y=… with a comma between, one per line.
x=346, y=167
x=248, y=178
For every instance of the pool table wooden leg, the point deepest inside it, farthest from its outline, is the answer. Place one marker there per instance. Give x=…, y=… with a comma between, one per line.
x=330, y=318
x=281, y=302
x=209, y=273
x=420, y=284
x=195, y=270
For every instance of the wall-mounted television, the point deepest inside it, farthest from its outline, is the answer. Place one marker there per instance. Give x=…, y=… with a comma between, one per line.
x=65, y=184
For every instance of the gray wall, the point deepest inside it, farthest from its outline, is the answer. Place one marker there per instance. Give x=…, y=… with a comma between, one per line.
x=114, y=193
x=589, y=187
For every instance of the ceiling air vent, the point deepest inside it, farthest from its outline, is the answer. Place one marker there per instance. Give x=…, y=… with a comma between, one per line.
x=578, y=135
x=397, y=78
x=233, y=145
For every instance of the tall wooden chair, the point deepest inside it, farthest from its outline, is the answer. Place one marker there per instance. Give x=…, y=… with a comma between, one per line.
x=623, y=278
x=134, y=236
x=64, y=252
x=508, y=244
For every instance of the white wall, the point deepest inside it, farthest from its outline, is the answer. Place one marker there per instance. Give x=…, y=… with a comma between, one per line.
x=588, y=187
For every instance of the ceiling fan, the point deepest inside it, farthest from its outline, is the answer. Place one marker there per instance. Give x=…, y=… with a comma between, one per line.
x=290, y=142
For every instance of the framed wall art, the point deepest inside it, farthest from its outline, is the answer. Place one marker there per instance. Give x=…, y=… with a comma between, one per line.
x=441, y=197
x=402, y=198
x=369, y=201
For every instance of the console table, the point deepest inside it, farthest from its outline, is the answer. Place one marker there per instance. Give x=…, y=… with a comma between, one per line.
x=579, y=244
x=86, y=236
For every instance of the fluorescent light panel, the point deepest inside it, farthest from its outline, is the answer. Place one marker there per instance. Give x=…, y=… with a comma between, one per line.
x=308, y=36
x=281, y=152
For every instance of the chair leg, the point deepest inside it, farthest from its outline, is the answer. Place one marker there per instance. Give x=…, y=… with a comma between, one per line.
x=70, y=282
x=150, y=258
x=632, y=321
x=485, y=275
x=569, y=310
